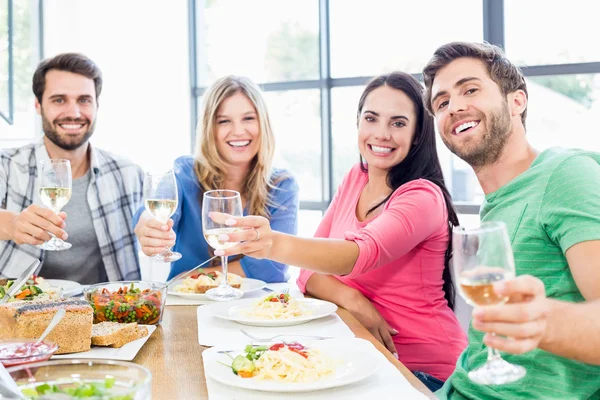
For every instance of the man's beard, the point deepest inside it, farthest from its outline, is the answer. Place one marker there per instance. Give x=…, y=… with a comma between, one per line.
x=485, y=149
x=51, y=133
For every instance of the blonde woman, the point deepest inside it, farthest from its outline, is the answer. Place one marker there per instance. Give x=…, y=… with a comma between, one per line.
x=234, y=151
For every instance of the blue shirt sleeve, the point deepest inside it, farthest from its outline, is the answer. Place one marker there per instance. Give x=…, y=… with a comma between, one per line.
x=284, y=218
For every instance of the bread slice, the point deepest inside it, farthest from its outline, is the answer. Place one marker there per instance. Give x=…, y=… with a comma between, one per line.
x=139, y=332
x=106, y=333
x=29, y=319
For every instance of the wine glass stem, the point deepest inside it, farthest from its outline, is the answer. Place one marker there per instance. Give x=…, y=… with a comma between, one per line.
x=167, y=251
x=493, y=354
x=225, y=281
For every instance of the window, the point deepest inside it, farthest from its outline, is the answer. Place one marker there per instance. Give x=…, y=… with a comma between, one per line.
x=268, y=41
x=563, y=111
x=562, y=34
x=296, y=119
x=26, y=55
x=380, y=36
x=144, y=108
x=344, y=103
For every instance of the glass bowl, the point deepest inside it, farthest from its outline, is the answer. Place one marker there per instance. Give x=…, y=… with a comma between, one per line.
x=24, y=351
x=127, y=301
x=93, y=379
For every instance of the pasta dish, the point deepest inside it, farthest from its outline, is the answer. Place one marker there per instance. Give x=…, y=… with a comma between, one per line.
x=277, y=307
x=283, y=362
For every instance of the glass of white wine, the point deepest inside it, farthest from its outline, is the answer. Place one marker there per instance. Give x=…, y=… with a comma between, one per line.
x=228, y=202
x=55, y=182
x=482, y=256
x=160, y=199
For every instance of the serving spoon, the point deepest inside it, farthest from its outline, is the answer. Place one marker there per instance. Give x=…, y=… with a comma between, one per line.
x=55, y=320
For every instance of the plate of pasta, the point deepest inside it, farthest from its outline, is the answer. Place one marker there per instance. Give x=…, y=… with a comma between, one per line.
x=293, y=367
x=276, y=309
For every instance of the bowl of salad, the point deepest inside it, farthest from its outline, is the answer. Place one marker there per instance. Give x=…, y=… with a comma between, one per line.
x=127, y=301
x=25, y=351
x=35, y=288
x=83, y=379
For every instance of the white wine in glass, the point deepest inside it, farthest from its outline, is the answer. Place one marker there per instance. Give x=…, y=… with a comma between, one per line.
x=55, y=183
x=481, y=257
x=160, y=199
x=228, y=202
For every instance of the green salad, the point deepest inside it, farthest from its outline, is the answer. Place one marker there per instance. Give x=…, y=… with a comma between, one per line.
x=80, y=390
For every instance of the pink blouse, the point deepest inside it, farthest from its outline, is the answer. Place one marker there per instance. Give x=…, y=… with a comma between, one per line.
x=399, y=268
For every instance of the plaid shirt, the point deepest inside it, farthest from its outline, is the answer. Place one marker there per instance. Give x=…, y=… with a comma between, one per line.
x=114, y=194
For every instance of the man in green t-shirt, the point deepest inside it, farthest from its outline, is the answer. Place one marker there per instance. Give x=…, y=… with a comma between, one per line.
x=550, y=202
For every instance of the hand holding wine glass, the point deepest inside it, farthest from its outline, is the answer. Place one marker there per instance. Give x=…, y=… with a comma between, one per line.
x=227, y=202
x=160, y=199
x=523, y=320
x=482, y=257
x=55, y=182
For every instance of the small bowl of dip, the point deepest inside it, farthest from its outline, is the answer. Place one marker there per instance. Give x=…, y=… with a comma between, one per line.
x=24, y=351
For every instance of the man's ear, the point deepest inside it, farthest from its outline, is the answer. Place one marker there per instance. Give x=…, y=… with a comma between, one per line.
x=38, y=106
x=517, y=102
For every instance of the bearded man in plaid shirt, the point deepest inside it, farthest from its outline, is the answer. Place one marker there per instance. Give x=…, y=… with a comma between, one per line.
x=107, y=189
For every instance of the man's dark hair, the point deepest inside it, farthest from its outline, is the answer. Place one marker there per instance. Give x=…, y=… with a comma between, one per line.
x=70, y=62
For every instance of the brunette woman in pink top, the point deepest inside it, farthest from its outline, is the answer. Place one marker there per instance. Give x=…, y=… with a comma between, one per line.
x=382, y=248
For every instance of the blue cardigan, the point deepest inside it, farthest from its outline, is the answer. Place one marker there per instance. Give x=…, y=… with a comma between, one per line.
x=187, y=225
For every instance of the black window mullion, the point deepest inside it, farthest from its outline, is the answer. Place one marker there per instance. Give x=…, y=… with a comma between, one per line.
x=493, y=22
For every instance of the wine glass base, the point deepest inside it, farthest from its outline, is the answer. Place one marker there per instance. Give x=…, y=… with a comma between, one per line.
x=497, y=372
x=169, y=257
x=224, y=294
x=55, y=245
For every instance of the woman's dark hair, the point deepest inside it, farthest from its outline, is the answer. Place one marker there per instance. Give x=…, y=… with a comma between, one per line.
x=421, y=162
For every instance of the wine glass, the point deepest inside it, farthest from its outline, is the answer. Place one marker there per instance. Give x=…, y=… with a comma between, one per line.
x=55, y=183
x=160, y=199
x=482, y=256
x=228, y=202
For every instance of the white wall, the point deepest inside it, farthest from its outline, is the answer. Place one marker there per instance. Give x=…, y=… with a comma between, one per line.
x=142, y=49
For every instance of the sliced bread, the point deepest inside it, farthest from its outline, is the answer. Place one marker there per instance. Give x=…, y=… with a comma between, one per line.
x=140, y=332
x=106, y=333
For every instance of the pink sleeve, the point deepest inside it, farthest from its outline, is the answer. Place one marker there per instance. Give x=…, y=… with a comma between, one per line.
x=415, y=211
x=322, y=232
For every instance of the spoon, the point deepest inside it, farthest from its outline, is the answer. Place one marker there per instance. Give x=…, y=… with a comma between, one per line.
x=55, y=320
x=8, y=386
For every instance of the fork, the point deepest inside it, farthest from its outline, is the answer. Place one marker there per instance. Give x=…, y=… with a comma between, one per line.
x=257, y=339
x=284, y=291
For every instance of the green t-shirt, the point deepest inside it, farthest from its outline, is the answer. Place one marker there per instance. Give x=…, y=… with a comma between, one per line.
x=552, y=206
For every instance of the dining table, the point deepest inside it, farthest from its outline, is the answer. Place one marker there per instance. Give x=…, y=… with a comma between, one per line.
x=174, y=357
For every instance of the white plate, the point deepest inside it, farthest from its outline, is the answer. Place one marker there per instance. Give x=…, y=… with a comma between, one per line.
x=351, y=366
x=125, y=353
x=70, y=288
x=248, y=285
x=236, y=311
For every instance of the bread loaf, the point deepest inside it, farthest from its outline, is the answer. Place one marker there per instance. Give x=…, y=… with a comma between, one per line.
x=73, y=333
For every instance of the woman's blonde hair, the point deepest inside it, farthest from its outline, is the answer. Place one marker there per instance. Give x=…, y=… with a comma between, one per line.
x=209, y=166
